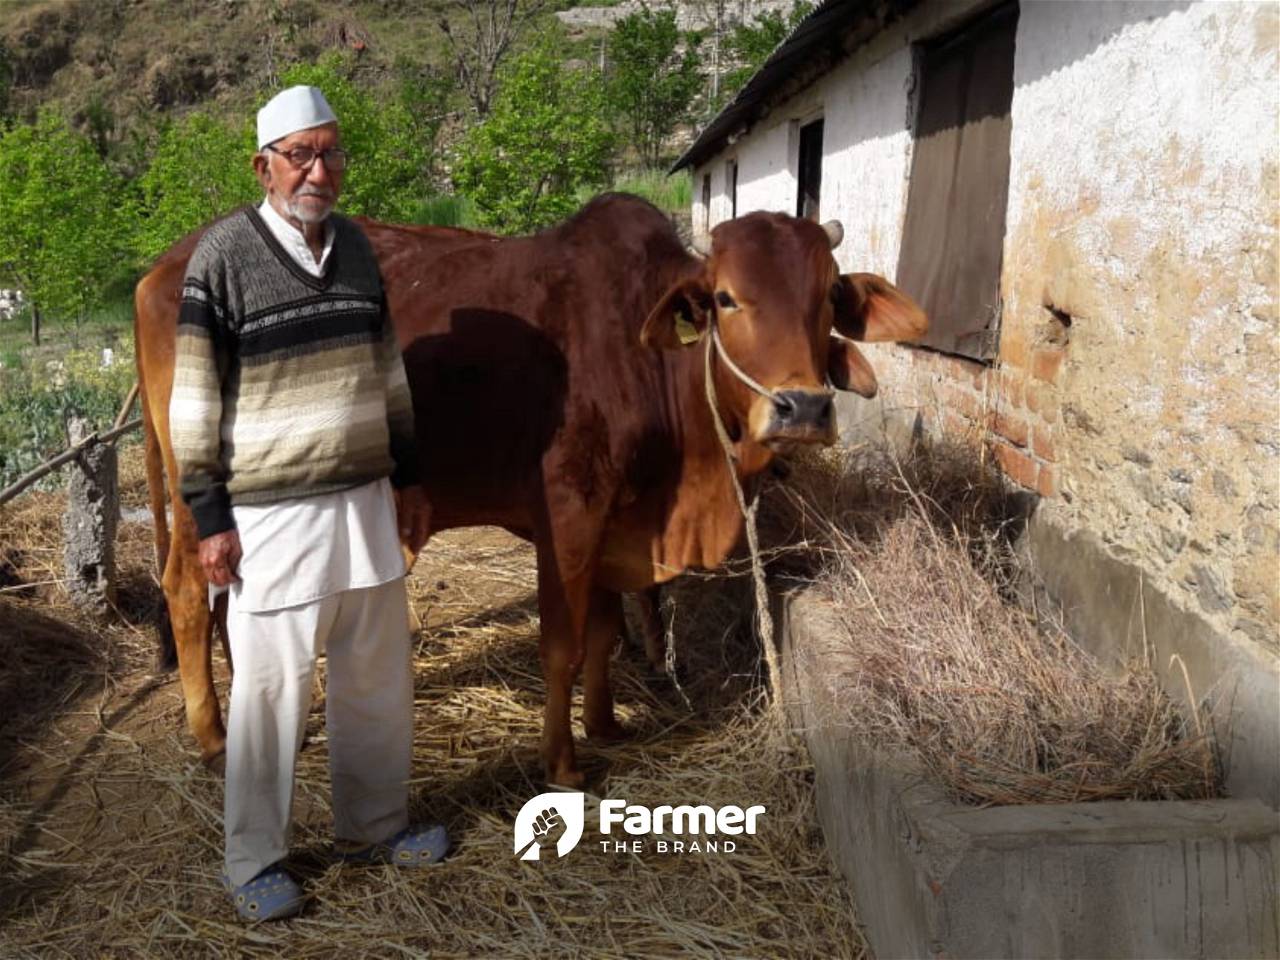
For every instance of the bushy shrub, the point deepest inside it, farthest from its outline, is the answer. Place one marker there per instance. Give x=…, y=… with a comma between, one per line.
x=447, y=210
x=546, y=139
x=391, y=140
x=61, y=236
x=672, y=193
x=200, y=171
x=36, y=398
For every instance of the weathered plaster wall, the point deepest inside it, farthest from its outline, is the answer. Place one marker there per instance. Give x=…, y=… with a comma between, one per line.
x=1137, y=387
x=1143, y=203
x=764, y=172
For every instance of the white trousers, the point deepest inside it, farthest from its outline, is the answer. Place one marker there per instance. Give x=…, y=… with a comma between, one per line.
x=369, y=699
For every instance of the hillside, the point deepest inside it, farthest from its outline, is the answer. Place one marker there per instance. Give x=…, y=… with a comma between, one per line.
x=134, y=61
x=118, y=67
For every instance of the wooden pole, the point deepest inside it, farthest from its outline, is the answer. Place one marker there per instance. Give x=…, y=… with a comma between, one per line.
x=128, y=404
x=15, y=488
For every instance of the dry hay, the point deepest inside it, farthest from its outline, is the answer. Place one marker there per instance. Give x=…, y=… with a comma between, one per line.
x=935, y=657
x=111, y=829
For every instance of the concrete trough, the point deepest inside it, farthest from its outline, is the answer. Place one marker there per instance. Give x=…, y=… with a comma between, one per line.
x=936, y=879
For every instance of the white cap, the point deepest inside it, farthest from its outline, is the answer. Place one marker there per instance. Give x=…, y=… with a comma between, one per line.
x=298, y=108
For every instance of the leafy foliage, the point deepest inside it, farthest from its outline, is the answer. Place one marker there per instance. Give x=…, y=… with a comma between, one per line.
x=201, y=167
x=545, y=139
x=200, y=171
x=391, y=144
x=672, y=193
x=36, y=399
x=61, y=236
x=447, y=210
x=750, y=44
x=654, y=77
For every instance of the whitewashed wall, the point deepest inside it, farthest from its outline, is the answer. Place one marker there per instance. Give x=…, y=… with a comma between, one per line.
x=1143, y=199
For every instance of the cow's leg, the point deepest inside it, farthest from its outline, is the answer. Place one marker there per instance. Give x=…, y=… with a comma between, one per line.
x=562, y=606
x=655, y=636
x=187, y=594
x=167, y=656
x=604, y=623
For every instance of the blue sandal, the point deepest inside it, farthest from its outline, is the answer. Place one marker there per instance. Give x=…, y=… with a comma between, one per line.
x=414, y=846
x=271, y=895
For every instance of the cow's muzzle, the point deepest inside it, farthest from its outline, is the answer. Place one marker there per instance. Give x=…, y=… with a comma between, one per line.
x=799, y=416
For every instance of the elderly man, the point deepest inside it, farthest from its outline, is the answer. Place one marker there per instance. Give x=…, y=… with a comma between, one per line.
x=291, y=423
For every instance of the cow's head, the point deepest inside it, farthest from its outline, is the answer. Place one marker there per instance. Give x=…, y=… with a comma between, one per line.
x=788, y=318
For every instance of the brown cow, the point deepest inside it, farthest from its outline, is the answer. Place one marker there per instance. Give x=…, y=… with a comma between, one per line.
x=554, y=396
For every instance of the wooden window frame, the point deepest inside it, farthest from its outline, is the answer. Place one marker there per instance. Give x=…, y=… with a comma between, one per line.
x=807, y=162
x=706, y=202
x=951, y=257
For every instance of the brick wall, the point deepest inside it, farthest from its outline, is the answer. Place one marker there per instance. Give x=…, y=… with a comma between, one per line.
x=1010, y=407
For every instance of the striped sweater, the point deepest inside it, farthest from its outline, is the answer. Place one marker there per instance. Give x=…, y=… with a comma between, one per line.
x=285, y=385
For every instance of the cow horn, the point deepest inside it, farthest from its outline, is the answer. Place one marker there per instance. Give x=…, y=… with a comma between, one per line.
x=834, y=231
x=701, y=244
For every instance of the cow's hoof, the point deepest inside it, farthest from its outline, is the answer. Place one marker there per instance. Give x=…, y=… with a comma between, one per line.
x=572, y=779
x=216, y=762
x=611, y=732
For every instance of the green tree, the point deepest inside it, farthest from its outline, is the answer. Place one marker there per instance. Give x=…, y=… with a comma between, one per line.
x=414, y=118
x=61, y=236
x=545, y=139
x=481, y=34
x=750, y=44
x=200, y=170
x=652, y=80
x=392, y=144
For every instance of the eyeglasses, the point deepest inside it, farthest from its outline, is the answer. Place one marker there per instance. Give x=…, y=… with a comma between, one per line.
x=334, y=159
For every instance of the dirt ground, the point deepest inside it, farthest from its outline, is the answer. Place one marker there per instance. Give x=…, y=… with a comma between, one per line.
x=110, y=829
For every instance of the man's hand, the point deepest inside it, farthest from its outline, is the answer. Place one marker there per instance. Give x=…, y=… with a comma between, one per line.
x=413, y=516
x=219, y=557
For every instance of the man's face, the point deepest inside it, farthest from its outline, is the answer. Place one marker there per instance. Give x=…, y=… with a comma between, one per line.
x=307, y=195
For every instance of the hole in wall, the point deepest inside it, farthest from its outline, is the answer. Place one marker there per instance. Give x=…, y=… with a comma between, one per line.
x=1058, y=328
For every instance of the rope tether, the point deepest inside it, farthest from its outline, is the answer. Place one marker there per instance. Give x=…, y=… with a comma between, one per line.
x=765, y=617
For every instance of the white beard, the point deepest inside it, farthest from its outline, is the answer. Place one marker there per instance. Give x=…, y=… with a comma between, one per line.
x=308, y=213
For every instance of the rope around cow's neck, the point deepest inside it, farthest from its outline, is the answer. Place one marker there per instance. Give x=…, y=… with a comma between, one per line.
x=765, y=617
x=736, y=370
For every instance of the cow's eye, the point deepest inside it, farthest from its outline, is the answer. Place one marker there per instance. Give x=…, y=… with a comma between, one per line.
x=725, y=301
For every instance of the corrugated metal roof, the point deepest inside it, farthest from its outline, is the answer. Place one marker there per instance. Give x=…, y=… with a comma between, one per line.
x=822, y=39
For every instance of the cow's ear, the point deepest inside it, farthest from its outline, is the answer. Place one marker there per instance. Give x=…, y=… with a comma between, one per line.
x=680, y=316
x=869, y=307
x=849, y=369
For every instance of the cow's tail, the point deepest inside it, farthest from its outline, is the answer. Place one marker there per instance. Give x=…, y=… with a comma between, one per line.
x=167, y=655
x=156, y=487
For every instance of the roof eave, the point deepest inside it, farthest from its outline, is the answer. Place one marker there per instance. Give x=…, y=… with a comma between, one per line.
x=825, y=37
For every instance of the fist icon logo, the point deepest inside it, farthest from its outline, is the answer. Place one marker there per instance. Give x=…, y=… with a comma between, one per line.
x=540, y=817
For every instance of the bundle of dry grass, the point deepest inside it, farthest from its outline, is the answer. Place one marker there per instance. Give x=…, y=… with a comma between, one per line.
x=937, y=660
